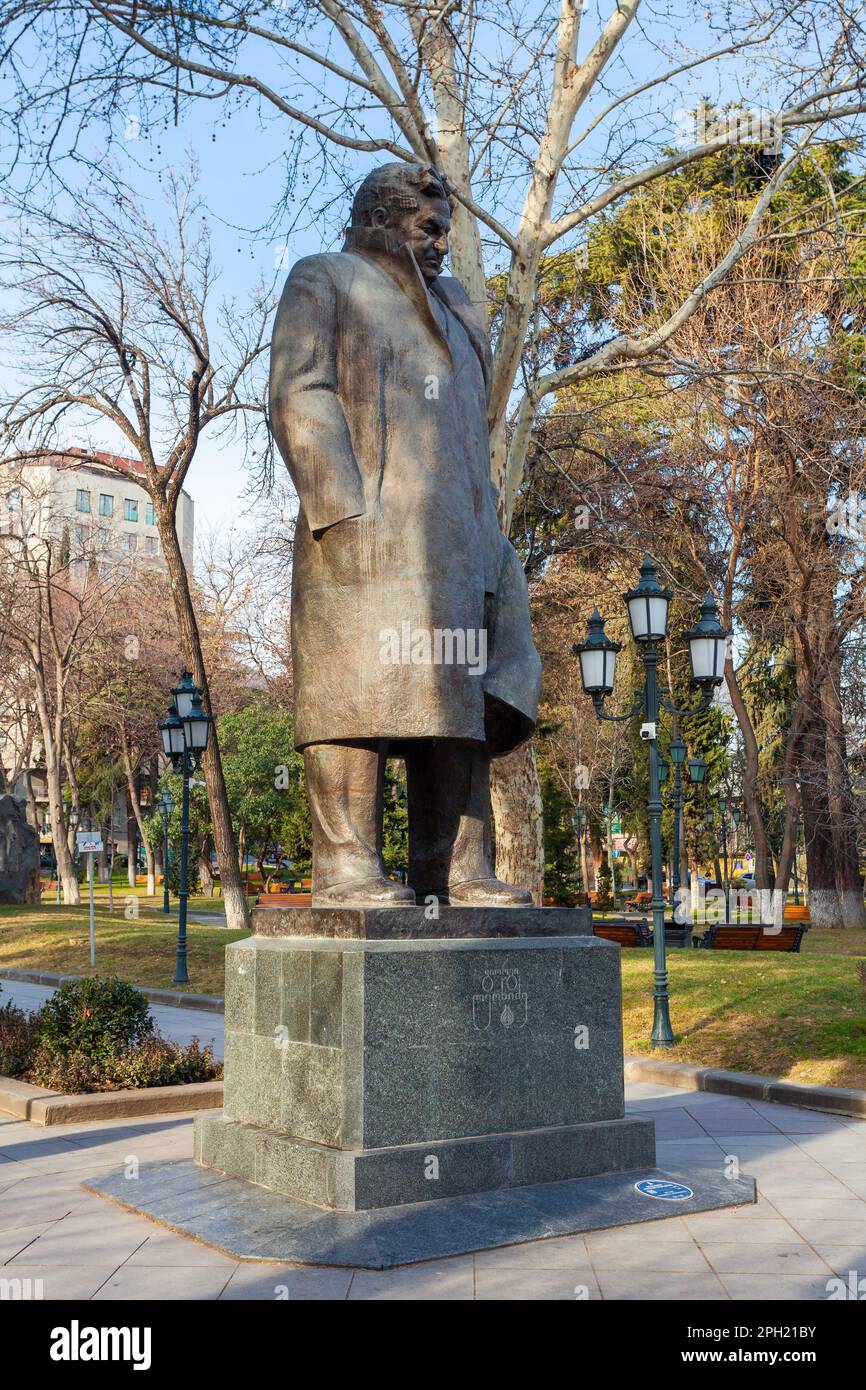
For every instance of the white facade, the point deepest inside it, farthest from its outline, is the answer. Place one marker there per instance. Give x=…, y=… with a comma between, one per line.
x=107, y=517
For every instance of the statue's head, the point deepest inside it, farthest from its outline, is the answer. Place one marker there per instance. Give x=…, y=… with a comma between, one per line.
x=413, y=203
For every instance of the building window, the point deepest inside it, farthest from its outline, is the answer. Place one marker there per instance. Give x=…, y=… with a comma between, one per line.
x=129, y=540
x=79, y=569
x=80, y=533
x=102, y=535
x=104, y=569
x=151, y=545
x=130, y=509
x=82, y=500
x=151, y=514
x=106, y=504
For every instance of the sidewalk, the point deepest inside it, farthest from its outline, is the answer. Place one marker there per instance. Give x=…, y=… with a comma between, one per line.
x=807, y=1229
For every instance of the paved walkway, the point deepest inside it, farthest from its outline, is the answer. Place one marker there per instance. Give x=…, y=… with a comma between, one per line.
x=807, y=1230
x=177, y=1025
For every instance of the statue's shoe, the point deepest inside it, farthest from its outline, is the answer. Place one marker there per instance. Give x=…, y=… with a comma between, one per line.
x=368, y=892
x=487, y=892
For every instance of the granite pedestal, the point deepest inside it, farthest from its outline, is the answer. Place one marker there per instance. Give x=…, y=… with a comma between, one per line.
x=381, y=1065
x=400, y=1086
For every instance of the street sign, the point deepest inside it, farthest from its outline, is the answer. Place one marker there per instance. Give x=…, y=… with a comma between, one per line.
x=88, y=842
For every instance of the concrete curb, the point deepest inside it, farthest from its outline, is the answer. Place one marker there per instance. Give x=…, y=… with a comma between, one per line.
x=43, y=1107
x=833, y=1100
x=211, y=1003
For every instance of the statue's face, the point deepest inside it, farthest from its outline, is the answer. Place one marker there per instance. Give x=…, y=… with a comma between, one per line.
x=426, y=233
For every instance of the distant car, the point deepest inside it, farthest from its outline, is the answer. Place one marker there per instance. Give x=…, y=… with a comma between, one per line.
x=749, y=882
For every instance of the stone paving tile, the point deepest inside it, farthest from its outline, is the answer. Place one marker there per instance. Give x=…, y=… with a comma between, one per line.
x=535, y=1285
x=674, y=1124
x=284, y=1283
x=440, y=1279
x=776, y=1288
x=833, y=1232
x=797, y=1208
x=770, y=1257
x=88, y=1240
x=653, y=1258
x=74, y=1281
x=843, y=1258
x=20, y=1238
x=567, y=1252
x=131, y=1282
x=167, y=1248
x=38, y=1209
x=764, y=1231
x=621, y=1286
x=666, y=1230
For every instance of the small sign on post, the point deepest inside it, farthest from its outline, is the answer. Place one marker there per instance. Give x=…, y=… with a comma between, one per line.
x=89, y=842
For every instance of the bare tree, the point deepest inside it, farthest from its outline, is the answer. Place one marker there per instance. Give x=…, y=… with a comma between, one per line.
x=52, y=607
x=113, y=330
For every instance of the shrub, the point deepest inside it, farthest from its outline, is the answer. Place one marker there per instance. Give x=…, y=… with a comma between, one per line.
x=94, y=1018
x=153, y=1062
x=18, y=1033
x=603, y=884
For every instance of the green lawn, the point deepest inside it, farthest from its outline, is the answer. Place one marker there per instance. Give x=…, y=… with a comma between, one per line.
x=802, y=1017
x=141, y=950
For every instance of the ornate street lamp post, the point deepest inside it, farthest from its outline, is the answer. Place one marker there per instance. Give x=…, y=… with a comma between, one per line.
x=647, y=605
x=578, y=821
x=185, y=733
x=166, y=807
x=678, y=752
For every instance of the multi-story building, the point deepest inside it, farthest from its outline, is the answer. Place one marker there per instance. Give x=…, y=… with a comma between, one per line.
x=106, y=517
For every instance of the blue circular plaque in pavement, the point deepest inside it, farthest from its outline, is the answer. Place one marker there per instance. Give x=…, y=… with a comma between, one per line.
x=664, y=1190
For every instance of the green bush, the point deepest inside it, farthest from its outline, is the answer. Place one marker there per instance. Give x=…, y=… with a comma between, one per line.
x=94, y=1018
x=18, y=1034
x=97, y=1035
x=154, y=1062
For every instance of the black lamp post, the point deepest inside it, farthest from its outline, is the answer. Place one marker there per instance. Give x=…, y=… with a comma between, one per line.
x=185, y=733
x=648, y=604
x=677, y=752
x=166, y=807
x=578, y=821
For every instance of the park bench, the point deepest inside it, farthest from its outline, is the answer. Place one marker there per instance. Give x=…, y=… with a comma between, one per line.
x=625, y=931
x=283, y=899
x=639, y=900
x=729, y=936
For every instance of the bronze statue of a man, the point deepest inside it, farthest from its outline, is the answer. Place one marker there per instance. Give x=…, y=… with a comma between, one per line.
x=410, y=617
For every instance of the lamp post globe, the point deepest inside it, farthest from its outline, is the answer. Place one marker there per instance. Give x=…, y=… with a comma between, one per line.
x=184, y=693
x=648, y=604
x=597, y=656
x=677, y=752
x=707, y=643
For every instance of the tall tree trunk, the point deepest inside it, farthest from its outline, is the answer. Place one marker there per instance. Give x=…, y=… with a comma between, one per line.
x=234, y=899
x=844, y=810
x=763, y=858
x=515, y=794
x=824, y=905
x=62, y=852
x=132, y=790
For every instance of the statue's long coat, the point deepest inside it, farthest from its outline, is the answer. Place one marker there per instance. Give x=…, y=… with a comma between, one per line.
x=378, y=403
